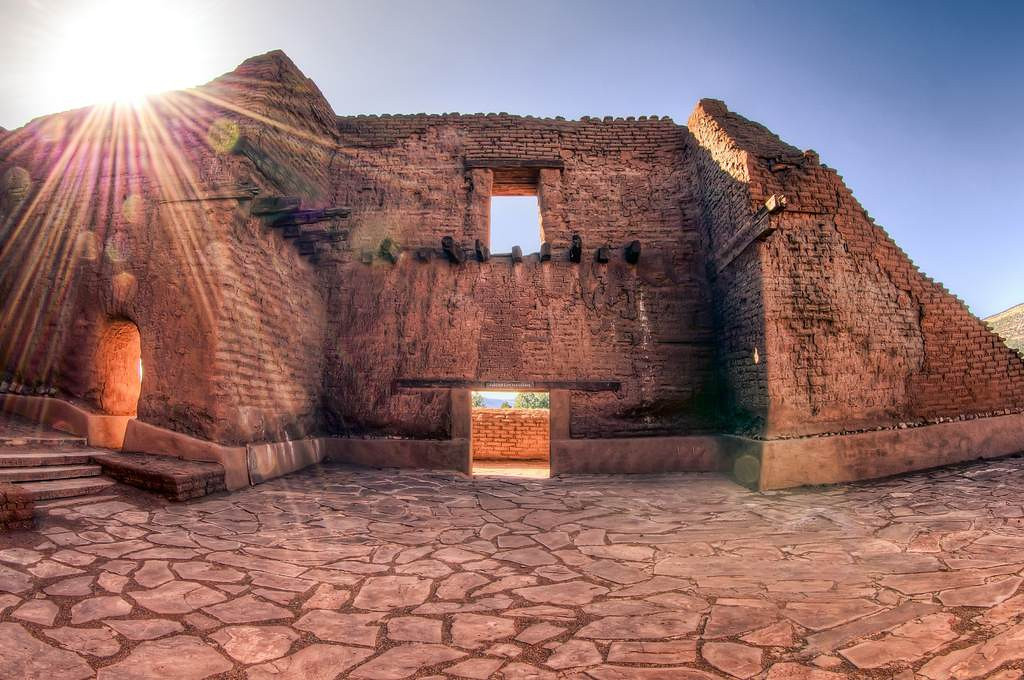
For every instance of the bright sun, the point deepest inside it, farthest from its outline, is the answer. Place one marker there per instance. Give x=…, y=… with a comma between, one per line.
x=121, y=51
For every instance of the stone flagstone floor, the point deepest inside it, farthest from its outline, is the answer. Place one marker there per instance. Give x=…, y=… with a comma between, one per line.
x=378, y=575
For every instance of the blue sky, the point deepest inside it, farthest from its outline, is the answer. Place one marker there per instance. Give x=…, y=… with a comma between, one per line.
x=515, y=221
x=918, y=104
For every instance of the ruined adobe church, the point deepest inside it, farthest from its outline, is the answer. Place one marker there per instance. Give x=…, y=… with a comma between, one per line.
x=273, y=284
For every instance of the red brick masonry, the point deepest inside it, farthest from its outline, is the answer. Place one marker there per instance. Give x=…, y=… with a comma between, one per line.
x=516, y=433
x=15, y=507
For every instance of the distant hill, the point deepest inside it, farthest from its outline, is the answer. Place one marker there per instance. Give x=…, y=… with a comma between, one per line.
x=1010, y=326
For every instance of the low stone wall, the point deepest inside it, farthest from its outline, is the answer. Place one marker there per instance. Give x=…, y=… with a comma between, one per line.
x=143, y=437
x=637, y=455
x=430, y=454
x=15, y=507
x=786, y=463
x=511, y=434
x=99, y=429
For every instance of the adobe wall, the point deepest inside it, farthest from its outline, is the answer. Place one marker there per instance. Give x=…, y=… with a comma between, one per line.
x=734, y=265
x=855, y=337
x=511, y=434
x=775, y=325
x=109, y=215
x=647, y=326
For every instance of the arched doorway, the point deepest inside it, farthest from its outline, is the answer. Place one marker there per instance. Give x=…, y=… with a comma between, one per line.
x=119, y=368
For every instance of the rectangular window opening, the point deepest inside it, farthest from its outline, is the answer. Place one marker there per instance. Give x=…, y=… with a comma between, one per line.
x=515, y=221
x=511, y=434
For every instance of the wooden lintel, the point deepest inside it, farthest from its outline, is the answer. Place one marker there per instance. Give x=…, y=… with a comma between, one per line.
x=241, y=195
x=515, y=163
x=511, y=385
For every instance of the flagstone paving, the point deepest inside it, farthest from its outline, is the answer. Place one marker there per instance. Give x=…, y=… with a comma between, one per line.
x=339, y=572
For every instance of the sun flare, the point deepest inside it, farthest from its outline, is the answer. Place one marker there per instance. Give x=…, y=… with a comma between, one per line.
x=118, y=51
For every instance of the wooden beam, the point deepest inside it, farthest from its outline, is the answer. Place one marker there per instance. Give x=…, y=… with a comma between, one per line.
x=518, y=386
x=514, y=163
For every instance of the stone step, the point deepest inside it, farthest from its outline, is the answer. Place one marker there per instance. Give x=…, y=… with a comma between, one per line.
x=21, y=458
x=42, y=441
x=65, y=488
x=38, y=473
x=175, y=478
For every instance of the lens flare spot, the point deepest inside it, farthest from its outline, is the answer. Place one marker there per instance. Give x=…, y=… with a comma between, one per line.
x=116, y=249
x=53, y=130
x=87, y=246
x=124, y=286
x=132, y=209
x=223, y=135
x=218, y=255
x=16, y=183
x=747, y=469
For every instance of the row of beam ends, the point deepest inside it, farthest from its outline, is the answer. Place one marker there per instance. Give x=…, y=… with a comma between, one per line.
x=455, y=253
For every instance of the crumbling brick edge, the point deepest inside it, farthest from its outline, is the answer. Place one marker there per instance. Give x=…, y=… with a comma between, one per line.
x=16, y=507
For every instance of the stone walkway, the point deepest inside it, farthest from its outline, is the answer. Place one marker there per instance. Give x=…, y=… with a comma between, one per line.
x=382, y=575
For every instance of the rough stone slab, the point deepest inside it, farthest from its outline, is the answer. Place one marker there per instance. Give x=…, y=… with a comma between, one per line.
x=255, y=644
x=315, y=662
x=182, y=657
x=653, y=627
x=354, y=629
x=104, y=606
x=383, y=593
x=23, y=656
x=404, y=661
x=177, y=597
x=247, y=609
x=144, y=629
x=99, y=642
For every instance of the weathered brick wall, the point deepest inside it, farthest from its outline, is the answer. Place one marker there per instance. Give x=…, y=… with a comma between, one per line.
x=101, y=219
x=511, y=434
x=647, y=326
x=823, y=325
x=735, y=268
x=16, y=507
x=856, y=337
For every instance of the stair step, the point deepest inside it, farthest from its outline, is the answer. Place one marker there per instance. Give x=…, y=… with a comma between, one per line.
x=12, y=458
x=38, y=473
x=65, y=488
x=44, y=441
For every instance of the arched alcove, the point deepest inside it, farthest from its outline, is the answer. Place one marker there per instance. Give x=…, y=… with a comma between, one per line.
x=119, y=368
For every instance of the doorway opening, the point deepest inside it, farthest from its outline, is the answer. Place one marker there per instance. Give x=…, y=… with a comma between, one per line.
x=118, y=368
x=511, y=434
